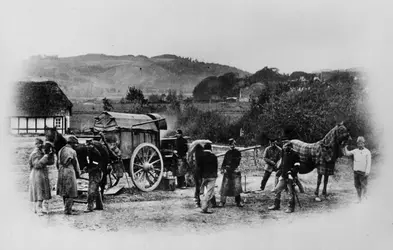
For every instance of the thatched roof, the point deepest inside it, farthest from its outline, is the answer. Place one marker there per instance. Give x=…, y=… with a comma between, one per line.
x=39, y=99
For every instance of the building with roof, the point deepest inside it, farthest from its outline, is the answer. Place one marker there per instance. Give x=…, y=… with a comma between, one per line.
x=39, y=105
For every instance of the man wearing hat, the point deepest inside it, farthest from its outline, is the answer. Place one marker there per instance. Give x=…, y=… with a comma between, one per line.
x=361, y=166
x=68, y=172
x=271, y=155
x=288, y=172
x=231, y=182
x=182, y=149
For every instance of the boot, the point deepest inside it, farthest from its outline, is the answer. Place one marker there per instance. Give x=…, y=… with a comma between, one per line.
x=45, y=207
x=39, y=208
x=99, y=204
x=276, y=205
x=291, y=207
x=90, y=203
x=213, y=201
x=239, y=201
x=69, y=202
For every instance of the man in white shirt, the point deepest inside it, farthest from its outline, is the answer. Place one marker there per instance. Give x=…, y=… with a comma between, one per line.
x=361, y=166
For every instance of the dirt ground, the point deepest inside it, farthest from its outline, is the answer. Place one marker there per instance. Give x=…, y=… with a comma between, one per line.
x=163, y=210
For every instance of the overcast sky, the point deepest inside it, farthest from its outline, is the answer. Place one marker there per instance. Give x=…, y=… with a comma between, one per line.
x=289, y=35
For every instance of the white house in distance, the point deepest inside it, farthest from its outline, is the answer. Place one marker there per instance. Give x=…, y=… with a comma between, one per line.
x=39, y=104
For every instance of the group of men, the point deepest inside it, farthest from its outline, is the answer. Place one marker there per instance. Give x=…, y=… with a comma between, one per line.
x=69, y=170
x=286, y=178
x=206, y=175
x=207, y=169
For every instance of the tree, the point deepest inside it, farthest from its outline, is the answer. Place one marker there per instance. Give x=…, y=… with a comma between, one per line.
x=107, y=104
x=134, y=95
x=172, y=96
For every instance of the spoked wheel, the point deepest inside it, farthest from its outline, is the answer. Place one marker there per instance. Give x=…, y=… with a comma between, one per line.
x=146, y=167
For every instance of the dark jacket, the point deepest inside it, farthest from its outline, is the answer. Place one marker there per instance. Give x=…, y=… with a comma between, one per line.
x=288, y=161
x=209, y=165
x=231, y=160
x=181, y=146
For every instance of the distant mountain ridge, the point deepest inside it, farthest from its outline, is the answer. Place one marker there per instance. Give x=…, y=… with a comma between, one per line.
x=98, y=75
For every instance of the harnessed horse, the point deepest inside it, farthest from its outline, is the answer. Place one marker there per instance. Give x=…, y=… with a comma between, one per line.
x=321, y=154
x=82, y=151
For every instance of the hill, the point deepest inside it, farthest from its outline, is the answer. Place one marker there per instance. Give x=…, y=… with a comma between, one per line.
x=98, y=75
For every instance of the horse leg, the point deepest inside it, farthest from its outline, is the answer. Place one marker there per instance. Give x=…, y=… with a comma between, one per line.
x=318, y=184
x=325, y=182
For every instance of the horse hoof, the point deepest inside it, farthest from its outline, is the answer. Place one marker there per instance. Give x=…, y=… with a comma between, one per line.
x=318, y=199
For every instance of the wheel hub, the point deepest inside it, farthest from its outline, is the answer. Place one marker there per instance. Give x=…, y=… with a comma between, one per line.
x=147, y=166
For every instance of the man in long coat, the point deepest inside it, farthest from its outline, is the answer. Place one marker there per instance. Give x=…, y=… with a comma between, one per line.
x=39, y=185
x=231, y=182
x=68, y=172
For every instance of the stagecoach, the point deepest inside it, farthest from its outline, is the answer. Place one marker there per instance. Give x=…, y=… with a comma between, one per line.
x=139, y=139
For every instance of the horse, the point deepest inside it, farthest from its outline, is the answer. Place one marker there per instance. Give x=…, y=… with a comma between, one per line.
x=321, y=155
x=58, y=140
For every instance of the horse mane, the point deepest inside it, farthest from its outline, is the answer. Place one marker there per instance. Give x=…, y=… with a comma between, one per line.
x=330, y=145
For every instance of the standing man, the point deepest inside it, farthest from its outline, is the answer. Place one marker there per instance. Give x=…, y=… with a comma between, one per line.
x=68, y=172
x=231, y=182
x=182, y=149
x=209, y=168
x=361, y=166
x=289, y=169
x=94, y=169
x=271, y=155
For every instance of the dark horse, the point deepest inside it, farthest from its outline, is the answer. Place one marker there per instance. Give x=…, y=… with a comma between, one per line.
x=82, y=151
x=321, y=155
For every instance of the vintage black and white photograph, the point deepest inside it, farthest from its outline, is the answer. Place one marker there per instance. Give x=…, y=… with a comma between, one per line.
x=196, y=125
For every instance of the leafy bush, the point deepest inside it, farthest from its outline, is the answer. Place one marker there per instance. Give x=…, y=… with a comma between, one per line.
x=313, y=109
x=203, y=124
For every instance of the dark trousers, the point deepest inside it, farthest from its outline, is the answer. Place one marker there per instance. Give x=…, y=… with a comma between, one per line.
x=68, y=203
x=360, y=183
x=181, y=181
x=198, y=182
x=93, y=191
x=265, y=178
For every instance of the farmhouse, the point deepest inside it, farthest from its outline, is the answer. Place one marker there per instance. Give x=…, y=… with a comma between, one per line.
x=39, y=104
